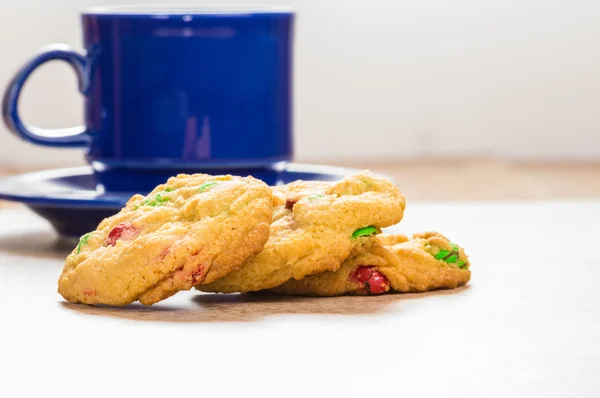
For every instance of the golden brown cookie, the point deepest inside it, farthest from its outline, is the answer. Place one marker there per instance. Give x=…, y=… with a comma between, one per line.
x=312, y=230
x=391, y=263
x=195, y=228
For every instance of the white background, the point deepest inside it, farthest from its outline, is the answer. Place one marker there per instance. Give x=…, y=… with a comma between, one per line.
x=380, y=80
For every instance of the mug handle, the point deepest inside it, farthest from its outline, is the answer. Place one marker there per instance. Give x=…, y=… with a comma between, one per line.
x=72, y=137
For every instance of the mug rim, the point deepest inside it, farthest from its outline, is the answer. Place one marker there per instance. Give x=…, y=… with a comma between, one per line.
x=187, y=9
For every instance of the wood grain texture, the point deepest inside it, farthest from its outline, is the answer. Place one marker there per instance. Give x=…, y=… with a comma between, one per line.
x=527, y=325
x=488, y=179
x=479, y=179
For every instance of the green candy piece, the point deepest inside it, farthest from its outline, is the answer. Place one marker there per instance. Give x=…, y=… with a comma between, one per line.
x=452, y=259
x=207, y=185
x=158, y=200
x=168, y=189
x=83, y=241
x=442, y=254
x=315, y=197
x=366, y=231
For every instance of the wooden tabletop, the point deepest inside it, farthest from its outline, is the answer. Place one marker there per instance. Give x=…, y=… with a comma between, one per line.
x=528, y=324
x=477, y=179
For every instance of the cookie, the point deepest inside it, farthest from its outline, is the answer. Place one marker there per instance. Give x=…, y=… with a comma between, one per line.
x=392, y=263
x=315, y=226
x=193, y=229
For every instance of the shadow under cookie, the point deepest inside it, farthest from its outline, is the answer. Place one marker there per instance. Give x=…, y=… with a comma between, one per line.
x=202, y=308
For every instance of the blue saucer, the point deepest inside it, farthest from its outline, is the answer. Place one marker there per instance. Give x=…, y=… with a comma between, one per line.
x=74, y=203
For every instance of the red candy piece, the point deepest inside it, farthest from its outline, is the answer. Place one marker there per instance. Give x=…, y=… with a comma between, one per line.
x=122, y=231
x=373, y=281
x=290, y=202
x=362, y=274
x=198, y=274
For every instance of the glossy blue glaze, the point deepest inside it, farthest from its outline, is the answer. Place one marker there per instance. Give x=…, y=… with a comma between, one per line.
x=188, y=89
x=69, y=137
x=74, y=203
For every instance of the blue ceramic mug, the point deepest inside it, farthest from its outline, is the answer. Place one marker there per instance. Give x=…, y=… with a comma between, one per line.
x=175, y=89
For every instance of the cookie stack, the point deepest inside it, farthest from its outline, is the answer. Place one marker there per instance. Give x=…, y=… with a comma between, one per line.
x=229, y=234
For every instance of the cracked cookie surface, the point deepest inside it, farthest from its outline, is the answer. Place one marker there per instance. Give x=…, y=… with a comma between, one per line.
x=192, y=229
x=393, y=263
x=312, y=230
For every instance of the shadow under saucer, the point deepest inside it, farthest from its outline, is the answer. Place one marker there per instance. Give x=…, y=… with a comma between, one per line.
x=40, y=244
